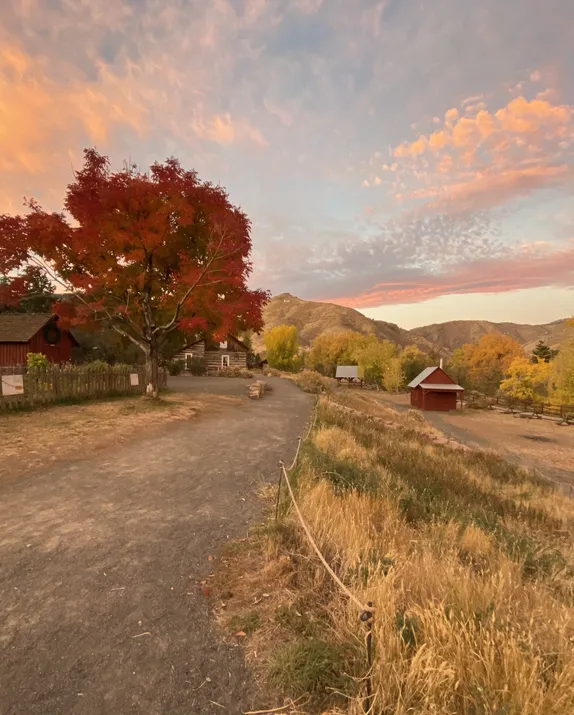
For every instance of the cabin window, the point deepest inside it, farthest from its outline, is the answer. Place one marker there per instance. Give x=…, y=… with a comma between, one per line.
x=223, y=345
x=225, y=361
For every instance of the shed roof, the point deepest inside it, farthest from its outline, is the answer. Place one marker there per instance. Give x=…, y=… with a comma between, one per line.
x=348, y=371
x=439, y=388
x=422, y=376
x=21, y=327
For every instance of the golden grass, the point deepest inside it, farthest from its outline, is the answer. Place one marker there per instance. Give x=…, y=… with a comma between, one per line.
x=468, y=561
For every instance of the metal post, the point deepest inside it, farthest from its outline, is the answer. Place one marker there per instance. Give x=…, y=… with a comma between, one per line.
x=367, y=617
x=278, y=491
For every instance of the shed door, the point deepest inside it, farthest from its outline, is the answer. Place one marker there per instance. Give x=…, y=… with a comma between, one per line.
x=225, y=361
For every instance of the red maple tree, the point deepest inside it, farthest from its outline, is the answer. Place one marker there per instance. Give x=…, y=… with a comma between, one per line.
x=144, y=253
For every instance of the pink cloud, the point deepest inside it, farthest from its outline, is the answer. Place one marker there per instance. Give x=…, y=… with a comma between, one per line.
x=529, y=269
x=489, y=189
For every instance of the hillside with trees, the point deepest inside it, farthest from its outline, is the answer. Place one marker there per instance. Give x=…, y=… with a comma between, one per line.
x=312, y=319
x=439, y=340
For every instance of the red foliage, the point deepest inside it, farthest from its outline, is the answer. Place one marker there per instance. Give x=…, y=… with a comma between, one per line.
x=146, y=253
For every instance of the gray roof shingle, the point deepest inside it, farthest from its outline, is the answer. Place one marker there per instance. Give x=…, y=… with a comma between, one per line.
x=21, y=327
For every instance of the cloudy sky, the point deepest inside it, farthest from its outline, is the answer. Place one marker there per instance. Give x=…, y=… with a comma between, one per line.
x=413, y=159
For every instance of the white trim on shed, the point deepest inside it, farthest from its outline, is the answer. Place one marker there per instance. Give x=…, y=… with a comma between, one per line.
x=431, y=386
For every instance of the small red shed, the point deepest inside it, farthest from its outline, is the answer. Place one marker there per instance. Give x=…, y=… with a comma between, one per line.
x=434, y=390
x=23, y=333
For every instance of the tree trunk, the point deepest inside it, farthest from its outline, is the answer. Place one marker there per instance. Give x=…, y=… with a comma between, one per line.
x=152, y=371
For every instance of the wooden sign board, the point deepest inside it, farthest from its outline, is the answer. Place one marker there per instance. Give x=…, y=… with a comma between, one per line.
x=134, y=379
x=12, y=384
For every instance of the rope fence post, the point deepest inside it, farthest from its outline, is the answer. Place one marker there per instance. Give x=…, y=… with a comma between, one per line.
x=367, y=618
x=281, y=466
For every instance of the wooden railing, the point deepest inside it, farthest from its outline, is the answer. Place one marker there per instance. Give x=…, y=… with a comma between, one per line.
x=544, y=407
x=21, y=387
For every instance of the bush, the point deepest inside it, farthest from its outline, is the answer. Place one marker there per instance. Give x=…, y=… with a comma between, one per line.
x=478, y=401
x=97, y=366
x=235, y=372
x=37, y=361
x=196, y=366
x=174, y=367
x=310, y=381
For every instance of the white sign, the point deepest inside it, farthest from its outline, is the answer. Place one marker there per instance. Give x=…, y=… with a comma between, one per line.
x=134, y=379
x=223, y=345
x=12, y=384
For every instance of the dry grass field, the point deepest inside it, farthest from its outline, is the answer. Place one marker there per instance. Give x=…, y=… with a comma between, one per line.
x=35, y=438
x=539, y=444
x=469, y=562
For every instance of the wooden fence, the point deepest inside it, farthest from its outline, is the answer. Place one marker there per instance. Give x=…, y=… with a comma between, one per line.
x=541, y=408
x=21, y=387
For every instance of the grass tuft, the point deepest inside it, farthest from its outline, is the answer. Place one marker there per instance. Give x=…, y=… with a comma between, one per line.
x=309, y=666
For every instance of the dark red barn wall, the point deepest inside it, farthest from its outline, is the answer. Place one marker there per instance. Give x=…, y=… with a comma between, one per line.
x=439, y=401
x=12, y=354
x=439, y=377
x=61, y=352
x=416, y=397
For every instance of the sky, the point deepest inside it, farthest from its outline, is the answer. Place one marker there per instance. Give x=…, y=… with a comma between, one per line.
x=411, y=159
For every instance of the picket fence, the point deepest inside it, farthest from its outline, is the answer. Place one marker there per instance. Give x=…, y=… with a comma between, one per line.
x=69, y=383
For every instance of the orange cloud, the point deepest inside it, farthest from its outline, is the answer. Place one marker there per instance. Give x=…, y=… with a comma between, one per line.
x=529, y=269
x=222, y=129
x=484, y=159
x=42, y=116
x=44, y=124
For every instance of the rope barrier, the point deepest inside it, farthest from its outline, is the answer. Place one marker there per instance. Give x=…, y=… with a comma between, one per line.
x=367, y=611
x=313, y=543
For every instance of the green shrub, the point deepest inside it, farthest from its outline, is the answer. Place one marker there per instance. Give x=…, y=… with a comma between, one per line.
x=37, y=361
x=174, y=367
x=235, y=372
x=97, y=366
x=196, y=366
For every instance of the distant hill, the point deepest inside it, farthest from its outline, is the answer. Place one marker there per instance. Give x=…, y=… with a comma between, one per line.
x=455, y=333
x=312, y=319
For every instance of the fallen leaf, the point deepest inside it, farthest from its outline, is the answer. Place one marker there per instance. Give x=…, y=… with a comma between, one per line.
x=241, y=634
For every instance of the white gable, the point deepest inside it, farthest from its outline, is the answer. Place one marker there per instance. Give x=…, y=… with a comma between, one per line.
x=347, y=371
x=422, y=376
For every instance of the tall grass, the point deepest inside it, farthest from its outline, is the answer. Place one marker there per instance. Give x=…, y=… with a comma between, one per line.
x=468, y=560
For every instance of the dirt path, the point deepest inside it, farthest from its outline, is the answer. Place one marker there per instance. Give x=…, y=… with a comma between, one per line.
x=101, y=562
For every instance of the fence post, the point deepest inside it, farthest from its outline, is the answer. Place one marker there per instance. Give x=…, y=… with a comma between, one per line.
x=367, y=618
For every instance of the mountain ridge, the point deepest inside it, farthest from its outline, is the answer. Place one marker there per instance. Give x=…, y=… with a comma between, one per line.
x=313, y=318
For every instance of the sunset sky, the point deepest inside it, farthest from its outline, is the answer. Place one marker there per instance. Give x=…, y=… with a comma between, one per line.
x=412, y=159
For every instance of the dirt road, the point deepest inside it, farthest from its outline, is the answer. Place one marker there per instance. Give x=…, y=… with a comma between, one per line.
x=101, y=608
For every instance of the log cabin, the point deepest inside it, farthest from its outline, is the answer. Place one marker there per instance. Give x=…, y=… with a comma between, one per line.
x=230, y=353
